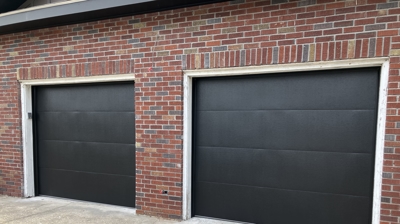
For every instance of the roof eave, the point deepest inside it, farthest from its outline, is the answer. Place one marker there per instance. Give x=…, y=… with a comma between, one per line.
x=85, y=11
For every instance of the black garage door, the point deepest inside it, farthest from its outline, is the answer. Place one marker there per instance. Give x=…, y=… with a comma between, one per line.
x=85, y=142
x=286, y=148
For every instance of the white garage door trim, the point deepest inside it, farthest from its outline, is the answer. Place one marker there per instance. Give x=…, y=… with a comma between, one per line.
x=26, y=108
x=311, y=66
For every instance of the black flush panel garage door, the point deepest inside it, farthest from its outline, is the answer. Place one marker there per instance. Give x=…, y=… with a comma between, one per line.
x=85, y=142
x=286, y=148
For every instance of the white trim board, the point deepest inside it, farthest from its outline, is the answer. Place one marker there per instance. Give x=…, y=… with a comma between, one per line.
x=295, y=67
x=27, y=126
x=76, y=80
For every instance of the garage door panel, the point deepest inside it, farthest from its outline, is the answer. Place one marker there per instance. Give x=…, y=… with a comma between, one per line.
x=108, y=158
x=87, y=126
x=317, y=91
x=102, y=188
x=85, y=142
x=278, y=206
x=337, y=130
x=223, y=205
x=89, y=98
x=326, y=172
x=286, y=148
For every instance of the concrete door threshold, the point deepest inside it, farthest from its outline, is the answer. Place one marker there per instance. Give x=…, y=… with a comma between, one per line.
x=65, y=211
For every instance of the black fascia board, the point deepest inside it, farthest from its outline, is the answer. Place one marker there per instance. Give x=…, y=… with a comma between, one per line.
x=86, y=11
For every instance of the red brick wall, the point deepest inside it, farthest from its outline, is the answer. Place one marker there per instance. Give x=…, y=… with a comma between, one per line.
x=158, y=46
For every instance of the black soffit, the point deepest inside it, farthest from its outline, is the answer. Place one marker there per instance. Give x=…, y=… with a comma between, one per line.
x=9, y=5
x=85, y=11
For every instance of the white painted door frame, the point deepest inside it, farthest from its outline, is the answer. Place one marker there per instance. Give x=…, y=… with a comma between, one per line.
x=27, y=126
x=310, y=66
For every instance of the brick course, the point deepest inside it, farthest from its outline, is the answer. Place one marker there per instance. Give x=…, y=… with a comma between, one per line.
x=156, y=47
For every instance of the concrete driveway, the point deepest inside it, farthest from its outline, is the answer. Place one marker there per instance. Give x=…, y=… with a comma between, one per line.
x=62, y=211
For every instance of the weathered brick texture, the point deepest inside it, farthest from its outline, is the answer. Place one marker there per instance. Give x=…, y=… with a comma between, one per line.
x=156, y=47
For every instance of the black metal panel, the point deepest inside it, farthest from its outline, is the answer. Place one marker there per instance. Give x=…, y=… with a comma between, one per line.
x=58, y=154
x=278, y=206
x=85, y=142
x=313, y=130
x=90, y=126
x=286, y=148
x=335, y=173
x=86, y=98
x=322, y=90
x=94, y=187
